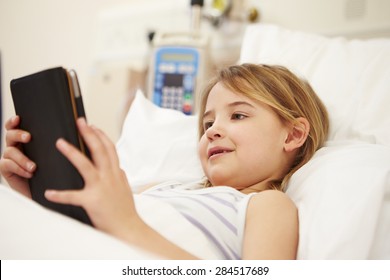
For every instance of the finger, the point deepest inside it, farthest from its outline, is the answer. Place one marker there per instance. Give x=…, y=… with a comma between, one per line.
x=20, y=160
x=98, y=150
x=10, y=168
x=109, y=146
x=12, y=123
x=15, y=136
x=72, y=197
x=78, y=159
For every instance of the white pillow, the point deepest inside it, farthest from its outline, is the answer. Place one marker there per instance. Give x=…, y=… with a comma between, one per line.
x=350, y=76
x=158, y=145
x=343, y=197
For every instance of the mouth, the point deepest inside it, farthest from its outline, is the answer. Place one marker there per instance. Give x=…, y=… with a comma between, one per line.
x=218, y=151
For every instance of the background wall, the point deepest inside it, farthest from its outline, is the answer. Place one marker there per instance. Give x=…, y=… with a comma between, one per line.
x=105, y=40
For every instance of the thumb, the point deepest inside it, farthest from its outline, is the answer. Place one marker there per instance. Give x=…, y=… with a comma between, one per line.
x=71, y=197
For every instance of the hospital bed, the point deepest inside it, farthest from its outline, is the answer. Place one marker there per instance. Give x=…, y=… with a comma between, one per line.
x=343, y=193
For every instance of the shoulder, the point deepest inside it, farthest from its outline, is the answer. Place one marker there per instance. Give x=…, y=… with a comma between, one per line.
x=272, y=206
x=271, y=227
x=271, y=199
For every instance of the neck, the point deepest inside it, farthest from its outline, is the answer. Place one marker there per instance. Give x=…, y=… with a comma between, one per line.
x=262, y=186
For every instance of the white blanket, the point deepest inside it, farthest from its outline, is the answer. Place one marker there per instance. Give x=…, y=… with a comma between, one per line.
x=29, y=231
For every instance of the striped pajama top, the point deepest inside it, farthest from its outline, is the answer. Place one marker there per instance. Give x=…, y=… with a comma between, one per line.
x=218, y=212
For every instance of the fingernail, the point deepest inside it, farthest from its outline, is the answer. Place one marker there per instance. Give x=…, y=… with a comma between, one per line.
x=61, y=143
x=30, y=166
x=82, y=121
x=24, y=136
x=49, y=193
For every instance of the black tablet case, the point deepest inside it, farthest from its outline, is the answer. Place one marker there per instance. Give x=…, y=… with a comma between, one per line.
x=48, y=110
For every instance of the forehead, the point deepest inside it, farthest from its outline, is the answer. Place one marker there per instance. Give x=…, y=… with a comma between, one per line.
x=222, y=98
x=220, y=95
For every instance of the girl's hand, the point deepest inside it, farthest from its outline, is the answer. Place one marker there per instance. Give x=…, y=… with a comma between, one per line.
x=106, y=195
x=15, y=167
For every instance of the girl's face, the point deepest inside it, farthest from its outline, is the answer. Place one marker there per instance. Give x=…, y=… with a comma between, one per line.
x=243, y=143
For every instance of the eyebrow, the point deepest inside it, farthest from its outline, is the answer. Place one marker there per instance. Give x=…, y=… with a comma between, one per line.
x=231, y=105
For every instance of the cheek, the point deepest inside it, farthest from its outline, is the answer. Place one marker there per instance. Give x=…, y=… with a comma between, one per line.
x=202, y=149
x=202, y=153
x=258, y=148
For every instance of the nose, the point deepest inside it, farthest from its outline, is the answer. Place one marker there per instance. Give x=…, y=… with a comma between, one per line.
x=214, y=132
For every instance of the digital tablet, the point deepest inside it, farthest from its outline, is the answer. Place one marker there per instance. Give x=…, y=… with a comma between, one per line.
x=48, y=103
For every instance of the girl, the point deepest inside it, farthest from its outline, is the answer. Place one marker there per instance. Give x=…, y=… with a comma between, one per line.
x=258, y=124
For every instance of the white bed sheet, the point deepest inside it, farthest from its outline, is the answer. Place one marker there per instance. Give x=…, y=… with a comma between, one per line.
x=29, y=231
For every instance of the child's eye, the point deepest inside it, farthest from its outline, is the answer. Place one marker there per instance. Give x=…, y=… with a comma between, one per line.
x=207, y=125
x=238, y=116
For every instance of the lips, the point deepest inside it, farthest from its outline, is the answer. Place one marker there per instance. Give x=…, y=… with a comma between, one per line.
x=218, y=151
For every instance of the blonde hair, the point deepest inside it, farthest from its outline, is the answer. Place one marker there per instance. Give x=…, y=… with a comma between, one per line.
x=289, y=96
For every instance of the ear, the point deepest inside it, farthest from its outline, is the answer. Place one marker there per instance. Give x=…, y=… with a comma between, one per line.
x=297, y=135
